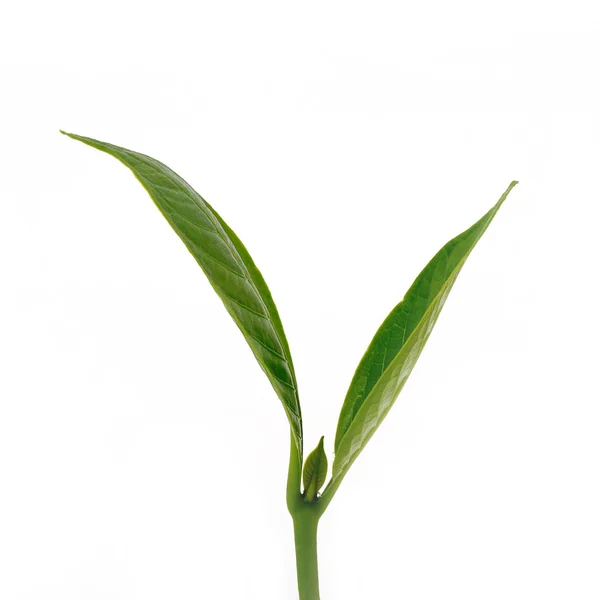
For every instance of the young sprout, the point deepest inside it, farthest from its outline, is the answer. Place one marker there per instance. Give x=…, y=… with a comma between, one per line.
x=379, y=377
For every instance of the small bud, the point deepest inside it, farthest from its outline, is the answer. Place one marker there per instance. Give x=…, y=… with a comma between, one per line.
x=315, y=472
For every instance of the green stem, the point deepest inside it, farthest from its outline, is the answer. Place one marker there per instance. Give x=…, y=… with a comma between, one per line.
x=305, y=533
x=306, y=520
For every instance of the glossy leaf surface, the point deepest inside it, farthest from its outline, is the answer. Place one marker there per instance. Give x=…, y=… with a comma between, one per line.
x=394, y=350
x=227, y=265
x=315, y=472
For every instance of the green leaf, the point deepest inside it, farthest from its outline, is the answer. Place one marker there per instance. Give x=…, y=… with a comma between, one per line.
x=315, y=472
x=228, y=266
x=394, y=350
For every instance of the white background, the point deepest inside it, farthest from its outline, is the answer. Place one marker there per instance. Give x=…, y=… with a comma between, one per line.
x=143, y=454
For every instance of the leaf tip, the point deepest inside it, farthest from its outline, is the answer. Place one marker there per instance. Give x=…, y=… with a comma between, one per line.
x=503, y=197
x=70, y=135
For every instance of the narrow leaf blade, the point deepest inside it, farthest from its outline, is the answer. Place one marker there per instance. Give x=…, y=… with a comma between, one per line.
x=397, y=345
x=227, y=265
